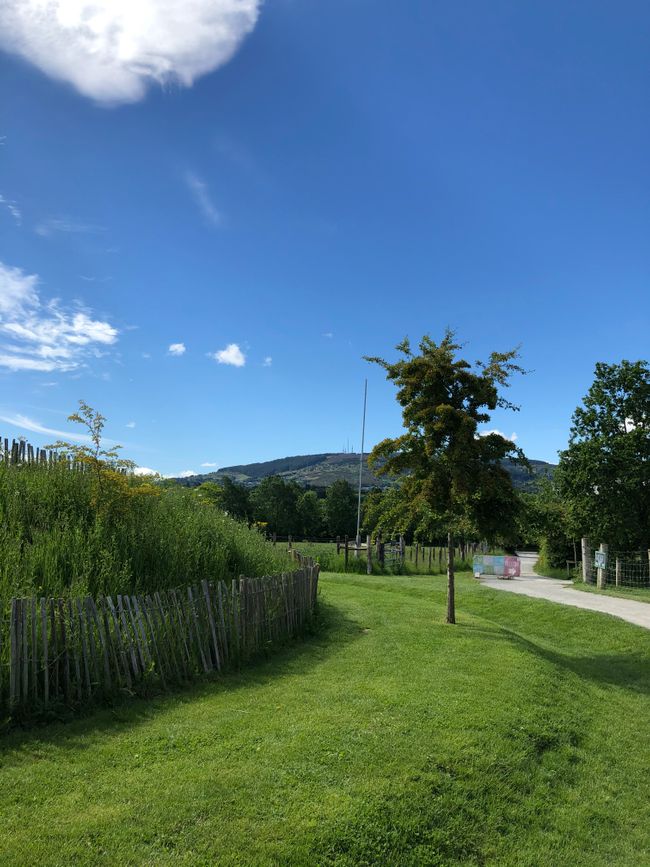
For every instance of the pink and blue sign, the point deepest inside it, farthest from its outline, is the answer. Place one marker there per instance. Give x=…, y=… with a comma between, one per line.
x=496, y=564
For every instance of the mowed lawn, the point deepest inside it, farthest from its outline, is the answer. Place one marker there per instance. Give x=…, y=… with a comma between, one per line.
x=521, y=736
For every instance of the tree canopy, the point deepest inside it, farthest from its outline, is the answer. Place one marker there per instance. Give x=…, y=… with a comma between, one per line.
x=604, y=474
x=453, y=477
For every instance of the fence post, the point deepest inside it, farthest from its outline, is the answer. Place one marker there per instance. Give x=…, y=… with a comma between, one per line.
x=618, y=571
x=586, y=560
x=346, y=553
x=338, y=545
x=368, y=555
x=601, y=574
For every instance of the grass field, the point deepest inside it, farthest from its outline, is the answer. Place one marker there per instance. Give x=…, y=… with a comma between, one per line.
x=641, y=594
x=517, y=737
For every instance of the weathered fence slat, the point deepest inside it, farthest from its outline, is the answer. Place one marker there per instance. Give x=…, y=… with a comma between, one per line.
x=69, y=649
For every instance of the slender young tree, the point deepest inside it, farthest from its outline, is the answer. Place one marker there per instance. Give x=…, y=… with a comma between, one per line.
x=451, y=473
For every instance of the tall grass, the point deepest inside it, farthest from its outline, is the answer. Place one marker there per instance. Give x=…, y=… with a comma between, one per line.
x=63, y=531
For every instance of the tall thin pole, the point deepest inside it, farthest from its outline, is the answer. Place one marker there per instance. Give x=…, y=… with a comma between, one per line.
x=363, y=440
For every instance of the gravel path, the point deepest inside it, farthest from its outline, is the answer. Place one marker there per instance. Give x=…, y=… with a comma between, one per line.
x=564, y=593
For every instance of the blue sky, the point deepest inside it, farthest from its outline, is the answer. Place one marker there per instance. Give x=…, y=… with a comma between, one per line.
x=278, y=190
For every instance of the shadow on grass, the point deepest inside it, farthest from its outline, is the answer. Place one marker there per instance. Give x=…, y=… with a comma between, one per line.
x=331, y=631
x=628, y=670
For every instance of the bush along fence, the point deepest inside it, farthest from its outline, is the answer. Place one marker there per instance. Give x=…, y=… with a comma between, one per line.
x=74, y=651
x=609, y=568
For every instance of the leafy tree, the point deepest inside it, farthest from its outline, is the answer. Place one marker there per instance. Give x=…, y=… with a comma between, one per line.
x=604, y=474
x=452, y=477
x=232, y=498
x=310, y=513
x=341, y=508
x=275, y=502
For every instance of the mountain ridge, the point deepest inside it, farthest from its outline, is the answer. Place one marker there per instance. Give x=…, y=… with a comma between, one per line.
x=321, y=470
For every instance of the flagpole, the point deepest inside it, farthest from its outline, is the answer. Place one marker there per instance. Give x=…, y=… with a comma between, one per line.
x=363, y=437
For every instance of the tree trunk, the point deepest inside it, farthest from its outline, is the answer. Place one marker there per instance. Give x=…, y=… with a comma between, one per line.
x=451, y=600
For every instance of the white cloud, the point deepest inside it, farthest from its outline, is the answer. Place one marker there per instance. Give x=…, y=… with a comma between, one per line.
x=47, y=228
x=485, y=433
x=176, y=349
x=45, y=337
x=13, y=209
x=328, y=334
x=209, y=464
x=145, y=471
x=232, y=354
x=24, y=423
x=146, y=355
x=185, y=474
x=113, y=50
x=268, y=361
x=130, y=424
x=201, y=195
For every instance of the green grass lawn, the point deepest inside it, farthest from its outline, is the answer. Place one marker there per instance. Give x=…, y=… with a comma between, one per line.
x=517, y=737
x=641, y=594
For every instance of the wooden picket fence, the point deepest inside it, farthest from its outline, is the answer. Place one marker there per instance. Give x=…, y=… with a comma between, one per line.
x=19, y=451
x=73, y=651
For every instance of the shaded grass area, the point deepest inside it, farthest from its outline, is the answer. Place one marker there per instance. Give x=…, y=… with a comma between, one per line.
x=642, y=594
x=515, y=738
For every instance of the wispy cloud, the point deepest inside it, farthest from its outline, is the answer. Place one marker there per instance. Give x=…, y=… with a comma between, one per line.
x=328, y=334
x=113, y=50
x=209, y=464
x=23, y=422
x=13, y=209
x=65, y=226
x=232, y=355
x=130, y=424
x=174, y=349
x=184, y=474
x=202, y=198
x=268, y=361
x=45, y=336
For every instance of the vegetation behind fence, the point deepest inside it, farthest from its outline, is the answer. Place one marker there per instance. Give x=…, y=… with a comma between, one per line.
x=73, y=651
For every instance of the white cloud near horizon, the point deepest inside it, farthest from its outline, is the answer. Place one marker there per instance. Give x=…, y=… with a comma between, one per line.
x=145, y=471
x=184, y=474
x=484, y=433
x=209, y=464
x=176, y=349
x=44, y=336
x=232, y=355
x=113, y=50
x=202, y=198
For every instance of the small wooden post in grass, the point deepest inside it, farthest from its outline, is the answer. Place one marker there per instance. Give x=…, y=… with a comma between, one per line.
x=618, y=571
x=417, y=554
x=338, y=545
x=586, y=560
x=451, y=590
x=347, y=553
x=601, y=578
x=368, y=555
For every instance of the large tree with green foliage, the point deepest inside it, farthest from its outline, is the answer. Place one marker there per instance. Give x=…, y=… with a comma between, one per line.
x=341, y=508
x=310, y=514
x=453, y=478
x=231, y=497
x=275, y=503
x=604, y=474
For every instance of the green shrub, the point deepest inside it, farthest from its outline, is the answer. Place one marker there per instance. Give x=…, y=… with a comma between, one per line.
x=64, y=531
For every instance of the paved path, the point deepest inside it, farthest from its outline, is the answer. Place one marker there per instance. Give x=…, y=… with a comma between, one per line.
x=564, y=593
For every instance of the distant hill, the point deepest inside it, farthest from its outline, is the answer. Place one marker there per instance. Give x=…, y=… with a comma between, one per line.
x=319, y=471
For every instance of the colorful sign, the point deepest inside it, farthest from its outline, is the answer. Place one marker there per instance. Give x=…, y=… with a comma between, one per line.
x=497, y=564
